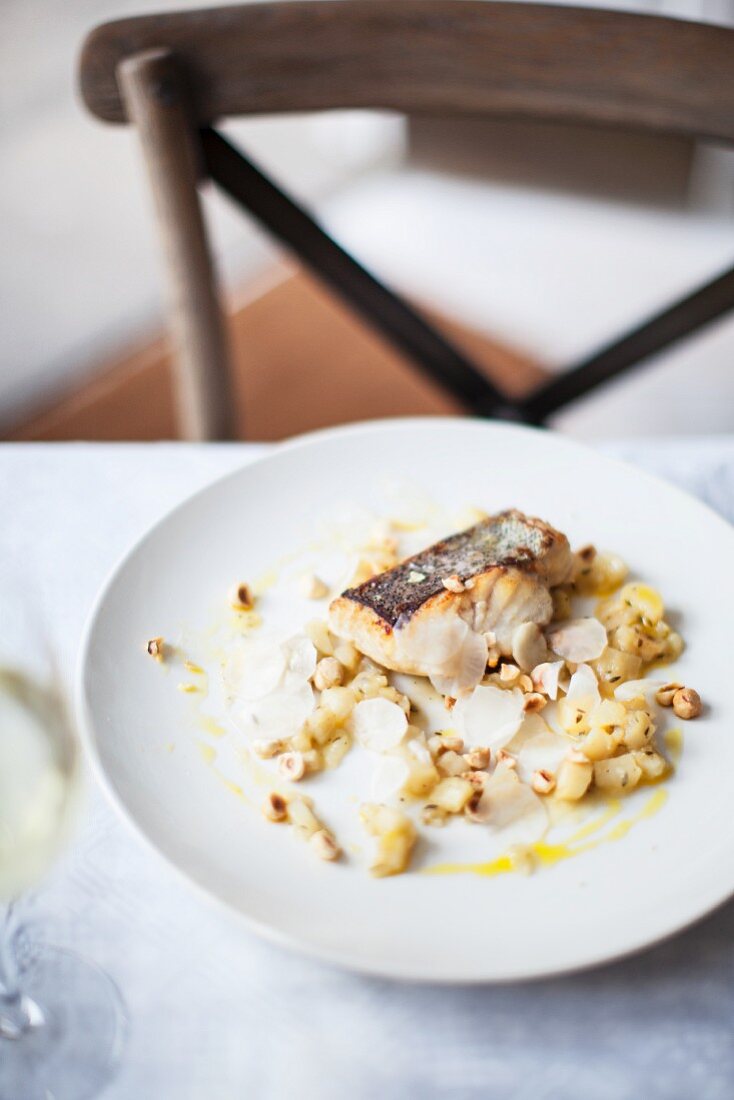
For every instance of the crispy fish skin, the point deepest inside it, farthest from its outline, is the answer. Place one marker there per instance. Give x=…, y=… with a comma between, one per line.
x=510, y=561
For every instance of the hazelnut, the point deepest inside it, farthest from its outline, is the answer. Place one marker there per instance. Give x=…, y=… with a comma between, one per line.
x=324, y=845
x=534, y=701
x=243, y=598
x=266, y=750
x=292, y=766
x=543, y=781
x=431, y=814
x=329, y=673
x=664, y=695
x=275, y=807
x=687, y=703
x=478, y=759
x=478, y=807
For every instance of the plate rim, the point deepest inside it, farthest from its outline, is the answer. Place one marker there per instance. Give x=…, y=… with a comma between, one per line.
x=262, y=929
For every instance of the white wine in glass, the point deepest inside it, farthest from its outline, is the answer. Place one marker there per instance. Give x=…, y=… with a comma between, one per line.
x=62, y=1023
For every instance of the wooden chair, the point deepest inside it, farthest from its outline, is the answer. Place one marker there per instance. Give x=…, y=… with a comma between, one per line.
x=175, y=75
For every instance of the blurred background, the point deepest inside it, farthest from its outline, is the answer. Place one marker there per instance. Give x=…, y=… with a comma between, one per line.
x=531, y=243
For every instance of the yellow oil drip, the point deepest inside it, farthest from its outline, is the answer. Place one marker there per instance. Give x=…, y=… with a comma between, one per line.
x=674, y=743
x=247, y=620
x=197, y=670
x=265, y=581
x=191, y=689
x=208, y=754
x=255, y=771
x=208, y=725
x=233, y=787
x=613, y=808
x=546, y=855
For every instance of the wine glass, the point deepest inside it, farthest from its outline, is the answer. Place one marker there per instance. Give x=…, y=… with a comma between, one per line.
x=62, y=1023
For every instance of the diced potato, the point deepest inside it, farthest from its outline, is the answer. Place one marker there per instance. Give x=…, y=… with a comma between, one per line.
x=638, y=729
x=302, y=818
x=651, y=764
x=573, y=718
x=603, y=576
x=335, y=751
x=393, y=853
x=598, y=744
x=322, y=724
x=674, y=646
x=451, y=763
x=615, y=667
x=573, y=779
x=607, y=714
x=620, y=773
x=645, y=600
x=347, y=655
x=452, y=794
x=368, y=683
x=313, y=760
x=616, y=612
x=301, y=741
x=396, y=837
x=378, y=818
x=634, y=640
x=318, y=632
x=339, y=700
x=421, y=779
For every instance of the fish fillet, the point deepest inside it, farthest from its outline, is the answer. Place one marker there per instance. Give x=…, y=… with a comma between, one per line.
x=407, y=620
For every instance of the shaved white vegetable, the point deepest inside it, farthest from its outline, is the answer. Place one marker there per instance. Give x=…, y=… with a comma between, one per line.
x=453, y=655
x=512, y=811
x=578, y=640
x=279, y=714
x=379, y=724
x=467, y=667
x=419, y=750
x=583, y=688
x=529, y=647
x=432, y=642
x=253, y=669
x=546, y=677
x=489, y=716
x=537, y=748
x=301, y=657
x=638, y=689
x=388, y=778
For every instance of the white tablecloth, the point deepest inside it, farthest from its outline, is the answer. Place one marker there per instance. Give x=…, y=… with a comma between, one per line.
x=217, y=1014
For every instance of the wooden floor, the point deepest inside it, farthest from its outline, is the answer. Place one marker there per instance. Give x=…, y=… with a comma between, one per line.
x=301, y=361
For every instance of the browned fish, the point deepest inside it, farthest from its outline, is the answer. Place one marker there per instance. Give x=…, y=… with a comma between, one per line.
x=435, y=613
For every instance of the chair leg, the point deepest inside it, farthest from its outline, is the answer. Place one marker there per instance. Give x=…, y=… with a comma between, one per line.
x=155, y=99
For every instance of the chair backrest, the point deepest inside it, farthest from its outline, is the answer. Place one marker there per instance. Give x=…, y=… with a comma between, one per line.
x=173, y=75
x=433, y=55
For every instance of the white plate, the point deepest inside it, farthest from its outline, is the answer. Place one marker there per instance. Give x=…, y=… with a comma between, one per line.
x=665, y=873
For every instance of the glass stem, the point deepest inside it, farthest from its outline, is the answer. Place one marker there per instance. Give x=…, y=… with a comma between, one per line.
x=18, y=1013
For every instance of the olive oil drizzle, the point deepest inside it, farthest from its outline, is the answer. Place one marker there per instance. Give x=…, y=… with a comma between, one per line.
x=547, y=855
